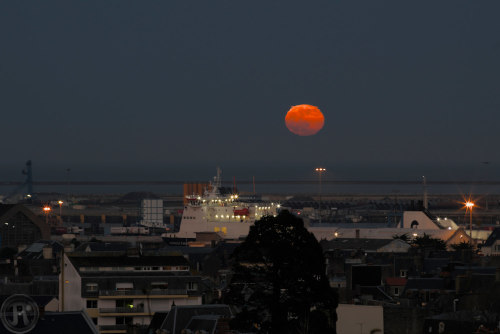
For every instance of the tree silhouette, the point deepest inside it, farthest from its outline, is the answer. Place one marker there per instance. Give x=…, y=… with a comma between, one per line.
x=279, y=276
x=464, y=245
x=404, y=237
x=429, y=243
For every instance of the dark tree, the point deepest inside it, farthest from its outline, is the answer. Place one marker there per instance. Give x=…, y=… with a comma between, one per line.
x=464, y=245
x=429, y=243
x=403, y=237
x=279, y=276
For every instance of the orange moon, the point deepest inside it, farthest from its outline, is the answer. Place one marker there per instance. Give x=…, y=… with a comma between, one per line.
x=304, y=120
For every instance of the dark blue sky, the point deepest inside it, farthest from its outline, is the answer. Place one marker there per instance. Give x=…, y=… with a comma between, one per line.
x=153, y=85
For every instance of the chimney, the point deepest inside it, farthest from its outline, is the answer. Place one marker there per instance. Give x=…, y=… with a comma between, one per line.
x=47, y=252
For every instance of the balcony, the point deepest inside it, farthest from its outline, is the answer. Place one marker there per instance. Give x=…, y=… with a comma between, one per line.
x=91, y=293
x=113, y=328
x=138, y=309
x=154, y=292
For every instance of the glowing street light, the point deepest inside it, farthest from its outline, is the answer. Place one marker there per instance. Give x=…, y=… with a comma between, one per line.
x=46, y=210
x=60, y=209
x=320, y=171
x=468, y=207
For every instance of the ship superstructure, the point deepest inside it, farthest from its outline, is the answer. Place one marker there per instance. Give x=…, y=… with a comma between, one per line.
x=219, y=210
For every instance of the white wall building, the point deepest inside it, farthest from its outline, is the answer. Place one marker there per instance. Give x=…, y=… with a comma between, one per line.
x=117, y=291
x=360, y=319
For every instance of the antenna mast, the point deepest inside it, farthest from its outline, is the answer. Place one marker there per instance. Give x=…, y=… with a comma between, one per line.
x=425, y=193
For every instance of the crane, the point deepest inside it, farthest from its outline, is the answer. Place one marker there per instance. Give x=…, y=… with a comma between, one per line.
x=28, y=184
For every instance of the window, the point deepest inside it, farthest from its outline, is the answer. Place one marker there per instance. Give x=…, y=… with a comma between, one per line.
x=124, y=320
x=396, y=291
x=192, y=286
x=126, y=303
x=91, y=287
x=403, y=273
x=91, y=303
x=159, y=285
x=124, y=286
x=94, y=320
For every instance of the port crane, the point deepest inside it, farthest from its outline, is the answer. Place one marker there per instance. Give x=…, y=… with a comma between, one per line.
x=28, y=185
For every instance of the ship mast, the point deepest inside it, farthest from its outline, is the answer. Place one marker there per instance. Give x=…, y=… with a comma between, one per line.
x=218, y=179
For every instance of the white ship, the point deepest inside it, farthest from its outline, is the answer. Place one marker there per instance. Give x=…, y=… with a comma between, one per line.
x=218, y=211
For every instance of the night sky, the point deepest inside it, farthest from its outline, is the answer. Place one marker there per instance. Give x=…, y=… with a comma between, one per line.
x=167, y=89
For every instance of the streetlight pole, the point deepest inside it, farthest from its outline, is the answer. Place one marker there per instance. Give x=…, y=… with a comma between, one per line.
x=469, y=205
x=46, y=209
x=60, y=210
x=320, y=170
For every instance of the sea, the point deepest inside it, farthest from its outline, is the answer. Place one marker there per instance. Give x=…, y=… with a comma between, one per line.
x=263, y=178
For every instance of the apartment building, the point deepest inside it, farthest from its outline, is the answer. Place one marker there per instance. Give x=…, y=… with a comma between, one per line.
x=122, y=291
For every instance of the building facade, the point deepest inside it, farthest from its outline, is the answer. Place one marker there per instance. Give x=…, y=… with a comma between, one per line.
x=122, y=291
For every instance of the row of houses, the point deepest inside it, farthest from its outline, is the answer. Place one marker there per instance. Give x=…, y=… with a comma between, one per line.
x=416, y=289
x=117, y=286
x=106, y=287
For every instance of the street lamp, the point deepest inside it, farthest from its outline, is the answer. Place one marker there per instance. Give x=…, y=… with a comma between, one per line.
x=320, y=171
x=60, y=209
x=47, y=209
x=468, y=207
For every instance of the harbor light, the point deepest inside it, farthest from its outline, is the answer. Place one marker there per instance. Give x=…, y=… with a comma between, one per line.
x=60, y=208
x=46, y=210
x=468, y=207
x=320, y=171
